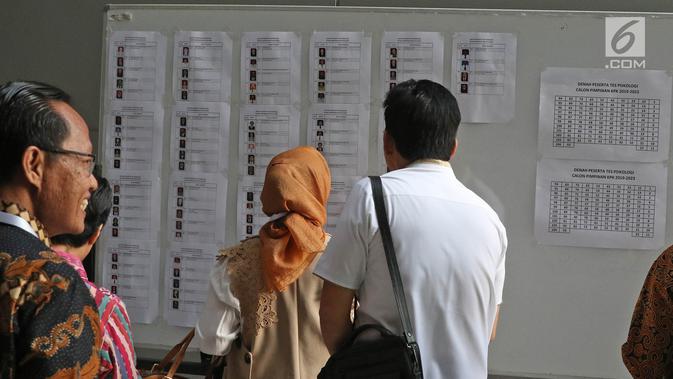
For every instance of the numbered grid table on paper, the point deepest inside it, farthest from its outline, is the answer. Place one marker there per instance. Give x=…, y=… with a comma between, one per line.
x=606, y=121
x=602, y=207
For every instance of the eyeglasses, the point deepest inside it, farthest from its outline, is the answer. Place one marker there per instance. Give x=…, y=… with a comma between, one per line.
x=91, y=164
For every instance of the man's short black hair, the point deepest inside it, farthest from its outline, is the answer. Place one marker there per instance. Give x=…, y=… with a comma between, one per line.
x=97, y=213
x=27, y=119
x=422, y=118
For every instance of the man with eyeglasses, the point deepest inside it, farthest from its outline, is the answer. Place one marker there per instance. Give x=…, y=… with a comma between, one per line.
x=49, y=324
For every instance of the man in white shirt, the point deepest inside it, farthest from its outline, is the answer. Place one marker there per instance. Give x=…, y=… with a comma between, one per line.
x=450, y=245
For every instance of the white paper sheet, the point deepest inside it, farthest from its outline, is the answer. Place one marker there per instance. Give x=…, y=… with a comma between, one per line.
x=601, y=204
x=202, y=66
x=411, y=55
x=484, y=76
x=197, y=205
x=341, y=133
x=200, y=137
x=616, y=115
x=270, y=68
x=130, y=271
x=341, y=188
x=133, y=136
x=264, y=132
x=136, y=201
x=186, y=275
x=340, y=68
x=136, y=66
x=250, y=217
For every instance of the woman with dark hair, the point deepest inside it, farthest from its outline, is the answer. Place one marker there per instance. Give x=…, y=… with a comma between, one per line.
x=117, y=356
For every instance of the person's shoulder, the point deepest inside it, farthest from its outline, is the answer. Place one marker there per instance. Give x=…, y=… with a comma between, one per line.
x=245, y=245
x=362, y=185
x=662, y=268
x=52, y=267
x=53, y=296
x=18, y=242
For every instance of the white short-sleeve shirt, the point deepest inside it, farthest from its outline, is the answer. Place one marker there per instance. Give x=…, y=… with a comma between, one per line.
x=450, y=248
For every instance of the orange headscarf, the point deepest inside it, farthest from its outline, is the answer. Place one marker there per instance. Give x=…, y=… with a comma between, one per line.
x=297, y=182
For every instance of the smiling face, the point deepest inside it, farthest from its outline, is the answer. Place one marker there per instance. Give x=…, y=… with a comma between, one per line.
x=66, y=183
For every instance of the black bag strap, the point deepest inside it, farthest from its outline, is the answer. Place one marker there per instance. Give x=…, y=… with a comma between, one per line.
x=398, y=287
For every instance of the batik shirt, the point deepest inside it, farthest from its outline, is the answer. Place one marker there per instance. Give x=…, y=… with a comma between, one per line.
x=49, y=326
x=118, y=358
x=648, y=351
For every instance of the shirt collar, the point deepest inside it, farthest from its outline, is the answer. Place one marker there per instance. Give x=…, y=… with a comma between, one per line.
x=17, y=221
x=433, y=161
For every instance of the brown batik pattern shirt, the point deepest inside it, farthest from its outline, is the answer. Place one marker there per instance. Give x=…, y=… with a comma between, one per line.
x=49, y=325
x=648, y=351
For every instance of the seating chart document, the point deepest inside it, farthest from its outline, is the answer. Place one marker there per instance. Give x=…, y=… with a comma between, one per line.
x=129, y=270
x=249, y=207
x=600, y=204
x=186, y=276
x=411, y=55
x=270, y=68
x=133, y=136
x=264, y=132
x=136, y=199
x=341, y=188
x=197, y=205
x=341, y=134
x=202, y=66
x=200, y=137
x=484, y=76
x=340, y=68
x=136, y=66
x=616, y=115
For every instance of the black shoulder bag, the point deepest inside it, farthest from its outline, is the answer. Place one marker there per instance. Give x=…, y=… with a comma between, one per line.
x=390, y=356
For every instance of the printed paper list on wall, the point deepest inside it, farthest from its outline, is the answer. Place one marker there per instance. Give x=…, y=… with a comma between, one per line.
x=264, y=132
x=130, y=243
x=202, y=66
x=130, y=272
x=270, y=68
x=597, y=129
x=600, y=204
x=200, y=137
x=617, y=115
x=136, y=66
x=339, y=68
x=187, y=271
x=133, y=137
x=484, y=76
x=249, y=207
x=341, y=134
x=197, y=208
x=411, y=55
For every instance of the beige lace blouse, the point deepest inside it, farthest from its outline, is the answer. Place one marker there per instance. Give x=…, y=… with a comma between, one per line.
x=264, y=334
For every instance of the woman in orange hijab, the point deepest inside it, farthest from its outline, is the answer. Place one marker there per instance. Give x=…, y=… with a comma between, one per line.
x=263, y=301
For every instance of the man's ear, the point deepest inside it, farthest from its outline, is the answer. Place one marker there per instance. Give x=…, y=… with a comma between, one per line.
x=94, y=237
x=455, y=147
x=33, y=164
x=388, y=143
